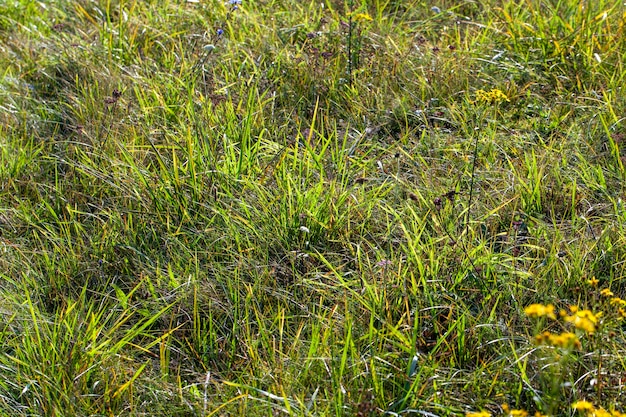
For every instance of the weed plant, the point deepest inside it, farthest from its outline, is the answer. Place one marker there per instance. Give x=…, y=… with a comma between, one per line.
x=325, y=208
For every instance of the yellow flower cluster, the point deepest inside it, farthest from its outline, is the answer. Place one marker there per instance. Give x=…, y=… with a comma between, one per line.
x=618, y=301
x=591, y=411
x=361, y=17
x=615, y=301
x=606, y=292
x=490, y=97
x=539, y=310
x=565, y=340
x=582, y=319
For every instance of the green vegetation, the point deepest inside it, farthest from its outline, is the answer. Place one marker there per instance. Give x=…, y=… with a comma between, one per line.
x=324, y=208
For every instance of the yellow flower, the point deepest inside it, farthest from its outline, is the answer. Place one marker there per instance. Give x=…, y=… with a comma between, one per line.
x=584, y=320
x=583, y=406
x=362, y=17
x=601, y=412
x=581, y=323
x=539, y=310
x=518, y=413
x=617, y=300
x=565, y=340
x=593, y=282
x=490, y=97
x=540, y=339
x=606, y=292
x=478, y=414
x=538, y=414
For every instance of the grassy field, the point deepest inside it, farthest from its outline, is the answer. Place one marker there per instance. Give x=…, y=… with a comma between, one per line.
x=324, y=208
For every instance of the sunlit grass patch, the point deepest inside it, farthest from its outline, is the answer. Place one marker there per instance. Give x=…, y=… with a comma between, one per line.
x=311, y=208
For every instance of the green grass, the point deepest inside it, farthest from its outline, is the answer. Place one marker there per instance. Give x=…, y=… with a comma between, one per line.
x=286, y=208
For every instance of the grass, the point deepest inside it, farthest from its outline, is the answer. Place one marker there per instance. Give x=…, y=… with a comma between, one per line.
x=312, y=208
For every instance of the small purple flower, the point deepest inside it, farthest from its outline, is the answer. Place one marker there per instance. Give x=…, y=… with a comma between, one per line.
x=435, y=9
x=383, y=263
x=234, y=2
x=220, y=32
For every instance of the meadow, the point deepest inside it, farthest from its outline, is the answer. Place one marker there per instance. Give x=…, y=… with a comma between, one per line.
x=312, y=208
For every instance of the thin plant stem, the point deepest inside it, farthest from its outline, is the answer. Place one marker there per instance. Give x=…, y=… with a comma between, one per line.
x=350, y=45
x=471, y=190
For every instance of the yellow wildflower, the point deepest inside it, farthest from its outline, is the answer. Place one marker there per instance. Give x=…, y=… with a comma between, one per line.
x=601, y=412
x=593, y=282
x=584, y=320
x=518, y=413
x=538, y=414
x=478, y=414
x=490, y=97
x=581, y=323
x=617, y=300
x=362, y=17
x=539, y=310
x=583, y=406
x=565, y=340
x=606, y=292
x=540, y=339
